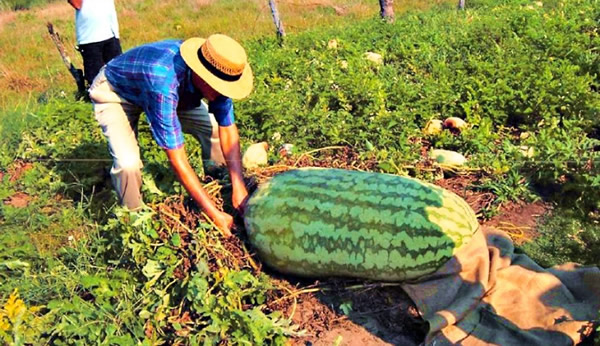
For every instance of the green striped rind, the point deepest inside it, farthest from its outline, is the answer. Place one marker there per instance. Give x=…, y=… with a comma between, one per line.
x=333, y=222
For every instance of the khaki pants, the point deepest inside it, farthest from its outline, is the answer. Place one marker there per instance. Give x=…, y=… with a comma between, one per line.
x=119, y=122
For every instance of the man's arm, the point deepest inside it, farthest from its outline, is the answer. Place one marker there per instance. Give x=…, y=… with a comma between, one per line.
x=187, y=176
x=230, y=145
x=76, y=4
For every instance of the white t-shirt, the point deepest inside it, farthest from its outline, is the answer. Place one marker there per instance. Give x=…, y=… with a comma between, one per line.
x=96, y=21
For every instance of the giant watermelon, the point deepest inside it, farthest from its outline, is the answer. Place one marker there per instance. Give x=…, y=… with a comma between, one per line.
x=331, y=222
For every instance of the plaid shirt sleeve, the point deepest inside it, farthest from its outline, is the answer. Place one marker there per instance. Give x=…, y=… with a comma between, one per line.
x=222, y=108
x=161, y=112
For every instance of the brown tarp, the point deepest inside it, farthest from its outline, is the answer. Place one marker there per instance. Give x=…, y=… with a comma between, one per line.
x=488, y=294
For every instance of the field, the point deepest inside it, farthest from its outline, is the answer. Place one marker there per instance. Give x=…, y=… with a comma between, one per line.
x=75, y=268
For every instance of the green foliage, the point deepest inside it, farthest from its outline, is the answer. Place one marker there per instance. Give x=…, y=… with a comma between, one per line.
x=566, y=237
x=566, y=162
x=225, y=311
x=83, y=298
x=328, y=97
x=212, y=303
x=19, y=323
x=13, y=122
x=103, y=311
x=472, y=66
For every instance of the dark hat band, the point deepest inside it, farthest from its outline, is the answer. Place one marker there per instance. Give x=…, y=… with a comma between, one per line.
x=212, y=69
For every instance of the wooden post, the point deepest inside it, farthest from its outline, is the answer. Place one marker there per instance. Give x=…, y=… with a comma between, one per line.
x=277, y=21
x=461, y=4
x=75, y=72
x=387, y=9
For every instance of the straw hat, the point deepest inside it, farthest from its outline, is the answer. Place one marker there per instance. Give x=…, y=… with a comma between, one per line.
x=221, y=62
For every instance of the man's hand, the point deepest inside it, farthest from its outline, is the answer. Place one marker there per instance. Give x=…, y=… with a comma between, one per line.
x=76, y=4
x=225, y=222
x=188, y=178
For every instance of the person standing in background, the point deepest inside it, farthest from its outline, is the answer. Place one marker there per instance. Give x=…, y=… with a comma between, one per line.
x=97, y=31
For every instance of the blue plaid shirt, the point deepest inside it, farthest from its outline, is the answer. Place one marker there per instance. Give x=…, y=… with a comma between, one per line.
x=155, y=77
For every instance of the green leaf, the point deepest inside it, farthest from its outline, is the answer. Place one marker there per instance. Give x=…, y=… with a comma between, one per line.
x=150, y=185
x=346, y=308
x=145, y=314
x=90, y=281
x=176, y=240
x=152, y=268
x=141, y=217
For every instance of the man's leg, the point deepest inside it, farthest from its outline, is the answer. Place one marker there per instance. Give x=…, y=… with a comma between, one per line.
x=203, y=126
x=112, y=49
x=92, y=60
x=118, y=120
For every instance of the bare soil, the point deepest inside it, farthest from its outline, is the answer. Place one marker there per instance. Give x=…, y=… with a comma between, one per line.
x=17, y=169
x=14, y=173
x=374, y=316
x=519, y=220
x=6, y=17
x=18, y=200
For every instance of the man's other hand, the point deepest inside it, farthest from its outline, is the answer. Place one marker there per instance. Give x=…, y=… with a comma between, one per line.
x=239, y=199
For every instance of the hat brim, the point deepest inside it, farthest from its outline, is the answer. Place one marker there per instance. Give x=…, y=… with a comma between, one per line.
x=237, y=89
